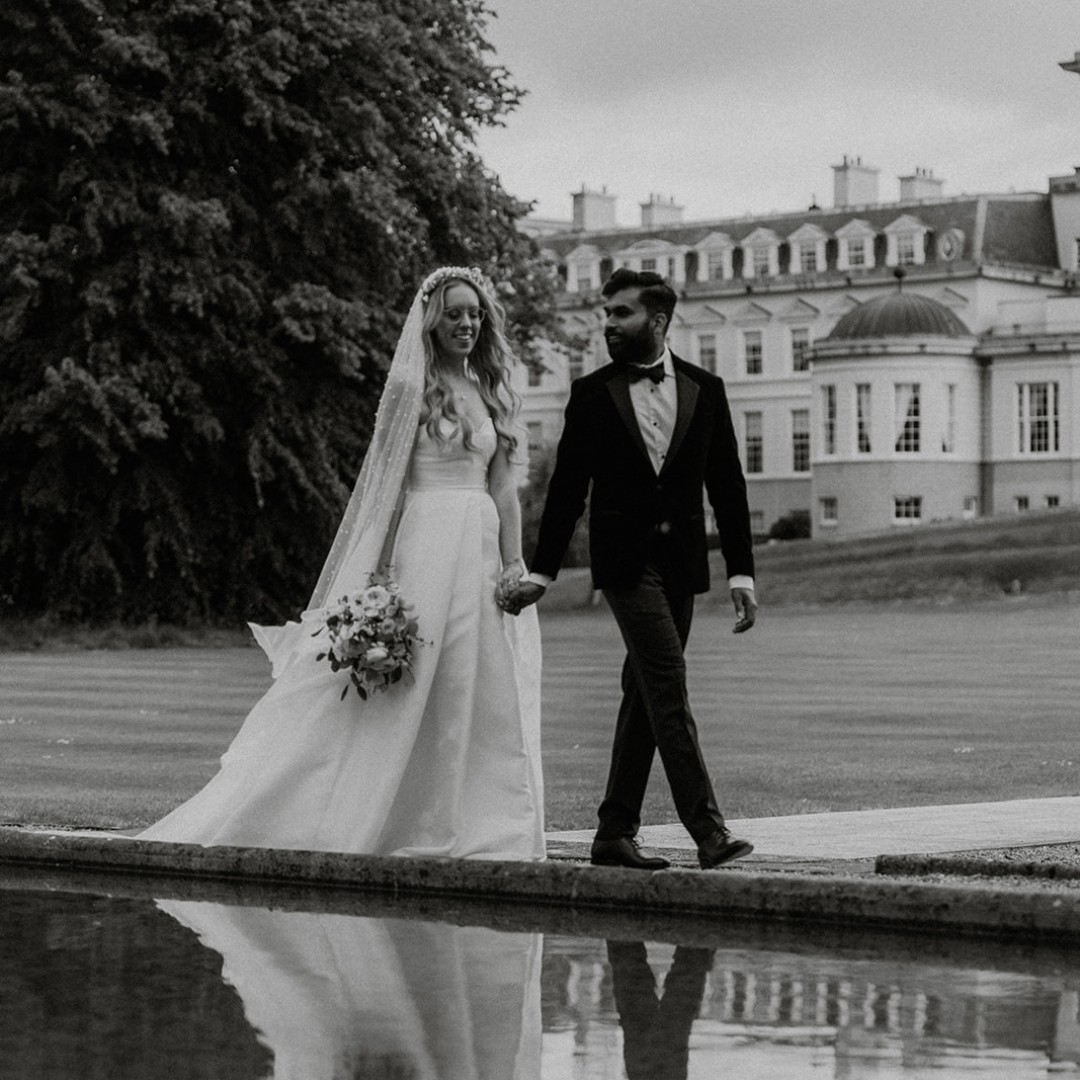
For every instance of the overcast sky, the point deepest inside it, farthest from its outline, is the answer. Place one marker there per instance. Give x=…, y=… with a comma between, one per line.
x=742, y=106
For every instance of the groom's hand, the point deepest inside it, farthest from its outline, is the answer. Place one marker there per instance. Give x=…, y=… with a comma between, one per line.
x=745, y=609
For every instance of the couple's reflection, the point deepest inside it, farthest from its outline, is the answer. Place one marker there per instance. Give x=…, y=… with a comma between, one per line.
x=341, y=997
x=656, y=1026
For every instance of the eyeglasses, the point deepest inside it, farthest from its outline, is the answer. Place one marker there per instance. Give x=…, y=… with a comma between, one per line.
x=457, y=314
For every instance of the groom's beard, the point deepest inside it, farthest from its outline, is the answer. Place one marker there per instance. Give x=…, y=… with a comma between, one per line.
x=636, y=347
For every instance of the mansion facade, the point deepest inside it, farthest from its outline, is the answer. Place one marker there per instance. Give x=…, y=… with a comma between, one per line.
x=887, y=363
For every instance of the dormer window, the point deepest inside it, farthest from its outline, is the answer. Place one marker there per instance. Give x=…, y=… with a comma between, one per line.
x=761, y=254
x=582, y=269
x=855, y=246
x=714, y=258
x=655, y=256
x=905, y=242
x=807, y=249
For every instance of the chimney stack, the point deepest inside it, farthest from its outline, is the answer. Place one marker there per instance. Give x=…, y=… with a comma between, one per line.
x=854, y=183
x=593, y=210
x=921, y=184
x=659, y=211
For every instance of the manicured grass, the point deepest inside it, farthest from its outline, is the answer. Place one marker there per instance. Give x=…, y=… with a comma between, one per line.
x=1014, y=554
x=834, y=709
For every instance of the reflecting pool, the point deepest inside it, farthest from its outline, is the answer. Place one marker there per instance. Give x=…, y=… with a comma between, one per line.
x=118, y=978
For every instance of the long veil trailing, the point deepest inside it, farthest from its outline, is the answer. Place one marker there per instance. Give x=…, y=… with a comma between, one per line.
x=369, y=513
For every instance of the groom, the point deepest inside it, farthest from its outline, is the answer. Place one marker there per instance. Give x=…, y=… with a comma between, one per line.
x=644, y=436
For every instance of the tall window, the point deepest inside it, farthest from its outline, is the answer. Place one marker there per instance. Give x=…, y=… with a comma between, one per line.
x=716, y=265
x=907, y=418
x=948, y=434
x=536, y=374
x=800, y=440
x=1039, y=426
x=759, y=259
x=753, y=351
x=862, y=418
x=800, y=348
x=808, y=258
x=907, y=509
x=706, y=350
x=856, y=252
x=576, y=364
x=753, y=442
x=828, y=419
x=829, y=510
x=648, y=265
x=905, y=249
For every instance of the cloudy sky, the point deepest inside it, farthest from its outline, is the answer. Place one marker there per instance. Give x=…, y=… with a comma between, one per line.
x=742, y=106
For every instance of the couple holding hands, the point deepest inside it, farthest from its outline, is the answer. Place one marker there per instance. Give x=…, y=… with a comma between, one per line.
x=448, y=763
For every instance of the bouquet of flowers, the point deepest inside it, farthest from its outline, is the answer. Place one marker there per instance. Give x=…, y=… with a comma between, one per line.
x=372, y=635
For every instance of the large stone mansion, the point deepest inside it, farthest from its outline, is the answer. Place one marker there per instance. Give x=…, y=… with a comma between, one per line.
x=887, y=363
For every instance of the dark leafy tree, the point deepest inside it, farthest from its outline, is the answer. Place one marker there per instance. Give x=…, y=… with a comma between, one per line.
x=213, y=214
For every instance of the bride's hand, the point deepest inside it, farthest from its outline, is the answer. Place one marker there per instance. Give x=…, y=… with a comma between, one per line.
x=509, y=579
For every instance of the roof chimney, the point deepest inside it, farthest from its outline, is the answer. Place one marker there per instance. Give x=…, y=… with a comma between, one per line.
x=659, y=211
x=854, y=183
x=593, y=209
x=921, y=184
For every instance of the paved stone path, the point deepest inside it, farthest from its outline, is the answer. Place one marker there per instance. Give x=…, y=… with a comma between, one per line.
x=862, y=834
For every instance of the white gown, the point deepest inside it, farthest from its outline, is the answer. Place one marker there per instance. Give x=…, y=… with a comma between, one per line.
x=448, y=765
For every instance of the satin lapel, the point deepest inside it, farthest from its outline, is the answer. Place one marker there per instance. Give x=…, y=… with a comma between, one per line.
x=619, y=388
x=686, y=402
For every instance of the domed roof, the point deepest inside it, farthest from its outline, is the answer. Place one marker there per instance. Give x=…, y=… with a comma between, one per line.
x=899, y=314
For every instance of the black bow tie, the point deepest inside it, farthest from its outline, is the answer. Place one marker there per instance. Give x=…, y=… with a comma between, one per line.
x=655, y=372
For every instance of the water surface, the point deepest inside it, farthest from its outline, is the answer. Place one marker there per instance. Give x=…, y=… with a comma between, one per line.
x=130, y=980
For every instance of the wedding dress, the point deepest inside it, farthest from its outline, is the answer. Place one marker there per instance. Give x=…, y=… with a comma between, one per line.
x=447, y=765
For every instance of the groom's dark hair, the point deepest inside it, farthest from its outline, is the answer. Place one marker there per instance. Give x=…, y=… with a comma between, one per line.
x=656, y=294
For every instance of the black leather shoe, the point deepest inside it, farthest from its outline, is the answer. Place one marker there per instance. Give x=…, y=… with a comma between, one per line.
x=625, y=851
x=721, y=848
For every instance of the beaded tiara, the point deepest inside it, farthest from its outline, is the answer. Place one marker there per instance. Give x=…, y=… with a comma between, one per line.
x=465, y=273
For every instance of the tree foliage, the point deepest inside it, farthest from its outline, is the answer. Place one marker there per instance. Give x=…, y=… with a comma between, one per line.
x=213, y=214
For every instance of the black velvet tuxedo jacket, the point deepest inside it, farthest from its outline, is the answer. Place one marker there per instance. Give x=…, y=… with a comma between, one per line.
x=602, y=449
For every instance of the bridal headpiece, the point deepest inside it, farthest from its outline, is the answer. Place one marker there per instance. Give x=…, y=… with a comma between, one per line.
x=465, y=273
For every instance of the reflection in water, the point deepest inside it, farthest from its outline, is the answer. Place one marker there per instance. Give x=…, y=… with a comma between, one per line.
x=337, y=997
x=98, y=988
x=761, y=1014
x=656, y=1027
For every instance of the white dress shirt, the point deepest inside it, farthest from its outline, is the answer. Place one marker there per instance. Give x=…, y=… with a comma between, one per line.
x=655, y=406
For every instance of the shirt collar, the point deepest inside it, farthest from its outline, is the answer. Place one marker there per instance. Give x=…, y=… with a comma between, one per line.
x=665, y=359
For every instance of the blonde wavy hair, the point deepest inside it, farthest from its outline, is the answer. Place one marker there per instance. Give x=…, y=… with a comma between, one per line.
x=488, y=364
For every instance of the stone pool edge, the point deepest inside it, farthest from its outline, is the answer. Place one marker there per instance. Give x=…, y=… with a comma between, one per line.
x=982, y=908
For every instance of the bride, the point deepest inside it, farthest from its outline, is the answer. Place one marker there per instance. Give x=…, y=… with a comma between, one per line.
x=446, y=763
